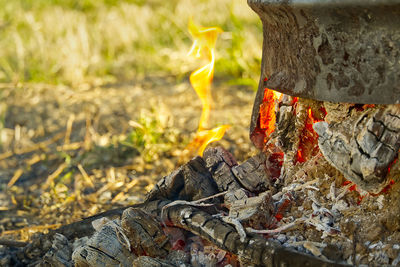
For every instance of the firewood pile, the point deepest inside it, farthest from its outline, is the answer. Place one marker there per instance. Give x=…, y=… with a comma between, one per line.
x=280, y=207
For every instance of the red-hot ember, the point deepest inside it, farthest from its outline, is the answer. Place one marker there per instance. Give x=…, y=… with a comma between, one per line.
x=268, y=111
x=308, y=139
x=353, y=187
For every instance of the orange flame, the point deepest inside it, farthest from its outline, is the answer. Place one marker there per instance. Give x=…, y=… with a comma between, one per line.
x=201, y=79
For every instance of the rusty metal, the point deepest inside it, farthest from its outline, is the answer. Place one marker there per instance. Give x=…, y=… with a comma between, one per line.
x=330, y=50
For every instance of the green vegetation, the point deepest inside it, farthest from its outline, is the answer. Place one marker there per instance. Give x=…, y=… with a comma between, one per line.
x=151, y=136
x=100, y=41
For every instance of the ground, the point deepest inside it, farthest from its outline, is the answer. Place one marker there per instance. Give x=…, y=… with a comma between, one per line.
x=77, y=152
x=96, y=105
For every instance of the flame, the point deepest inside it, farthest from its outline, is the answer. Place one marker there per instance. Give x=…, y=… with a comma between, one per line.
x=268, y=110
x=203, y=138
x=201, y=79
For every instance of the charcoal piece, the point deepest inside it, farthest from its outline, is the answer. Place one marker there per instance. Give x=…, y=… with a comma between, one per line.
x=192, y=181
x=255, y=211
x=252, y=174
x=60, y=253
x=106, y=247
x=144, y=233
x=285, y=124
x=220, y=162
x=364, y=146
x=235, y=195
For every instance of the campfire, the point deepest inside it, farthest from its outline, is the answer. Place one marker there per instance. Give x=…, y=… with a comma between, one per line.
x=322, y=191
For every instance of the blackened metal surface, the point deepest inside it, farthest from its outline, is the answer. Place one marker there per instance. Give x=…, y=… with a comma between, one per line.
x=330, y=50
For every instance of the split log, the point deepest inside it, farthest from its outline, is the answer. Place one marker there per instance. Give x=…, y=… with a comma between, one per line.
x=364, y=146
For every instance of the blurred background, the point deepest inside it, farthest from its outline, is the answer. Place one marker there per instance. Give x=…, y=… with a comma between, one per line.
x=96, y=104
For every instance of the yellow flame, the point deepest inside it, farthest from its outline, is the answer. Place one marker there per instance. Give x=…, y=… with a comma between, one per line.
x=277, y=95
x=203, y=46
x=203, y=138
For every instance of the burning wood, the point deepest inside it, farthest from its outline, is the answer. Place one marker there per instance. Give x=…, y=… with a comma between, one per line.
x=159, y=231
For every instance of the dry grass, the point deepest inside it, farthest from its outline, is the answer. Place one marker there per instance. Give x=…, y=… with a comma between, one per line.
x=92, y=41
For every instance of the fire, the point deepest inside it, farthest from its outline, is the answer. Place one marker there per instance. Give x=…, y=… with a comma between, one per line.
x=203, y=138
x=201, y=79
x=268, y=111
x=308, y=139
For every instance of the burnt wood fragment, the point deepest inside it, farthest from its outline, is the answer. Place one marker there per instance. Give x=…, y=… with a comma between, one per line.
x=191, y=181
x=220, y=162
x=252, y=174
x=364, y=146
x=107, y=247
x=59, y=254
x=144, y=233
x=255, y=211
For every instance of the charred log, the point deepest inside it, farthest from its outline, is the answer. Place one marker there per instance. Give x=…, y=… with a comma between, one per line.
x=364, y=146
x=254, y=250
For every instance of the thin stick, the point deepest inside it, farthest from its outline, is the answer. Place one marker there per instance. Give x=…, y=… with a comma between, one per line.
x=210, y=197
x=35, y=228
x=41, y=145
x=70, y=146
x=54, y=175
x=277, y=230
x=121, y=195
x=70, y=122
x=13, y=243
x=85, y=175
x=18, y=173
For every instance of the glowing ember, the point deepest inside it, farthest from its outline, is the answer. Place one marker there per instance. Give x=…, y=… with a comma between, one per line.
x=200, y=79
x=308, y=139
x=268, y=111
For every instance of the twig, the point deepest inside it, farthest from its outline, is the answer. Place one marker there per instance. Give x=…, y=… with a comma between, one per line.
x=70, y=122
x=121, y=195
x=37, y=146
x=12, y=243
x=70, y=146
x=276, y=230
x=195, y=203
x=35, y=228
x=85, y=175
x=54, y=175
x=17, y=174
x=210, y=197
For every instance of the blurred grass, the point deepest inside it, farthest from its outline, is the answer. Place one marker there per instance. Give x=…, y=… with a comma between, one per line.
x=100, y=41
